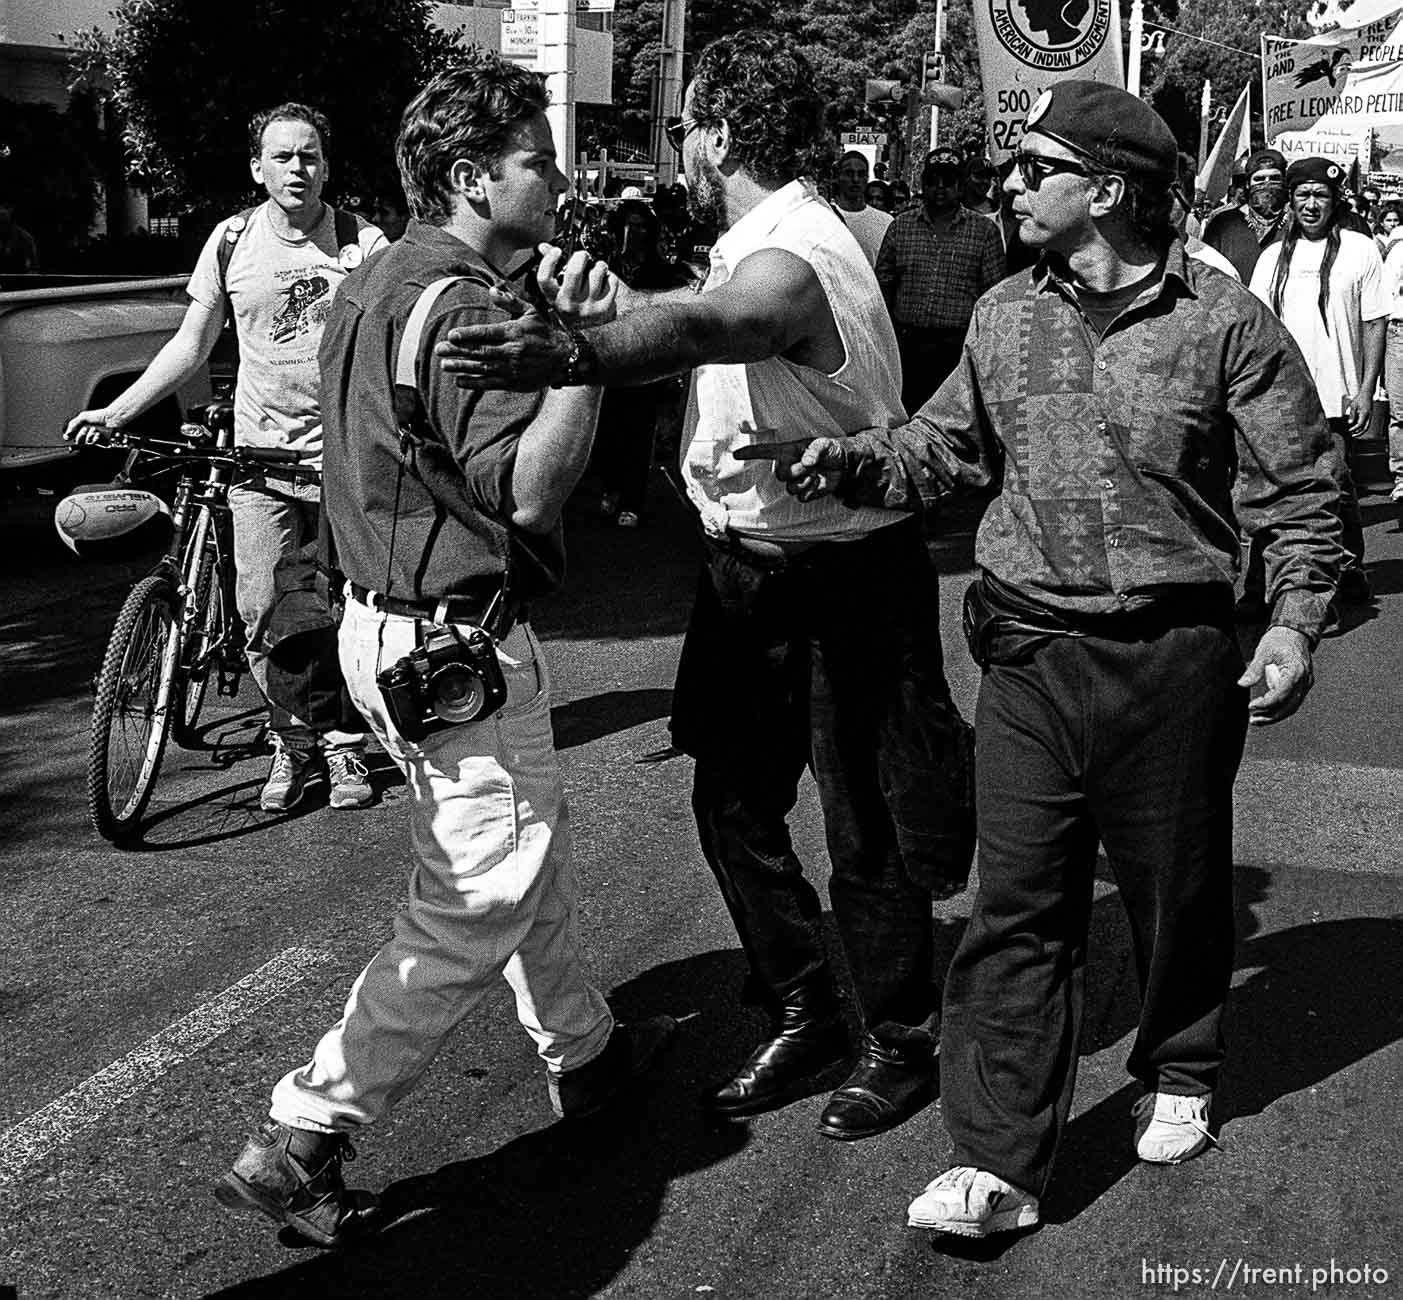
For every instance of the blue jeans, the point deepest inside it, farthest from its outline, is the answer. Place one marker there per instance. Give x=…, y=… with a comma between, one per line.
x=832, y=661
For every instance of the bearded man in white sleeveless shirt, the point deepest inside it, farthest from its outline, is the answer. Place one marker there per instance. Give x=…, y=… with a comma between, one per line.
x=815, y=639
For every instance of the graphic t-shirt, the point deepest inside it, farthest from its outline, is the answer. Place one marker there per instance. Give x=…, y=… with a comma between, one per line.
x=281, y=291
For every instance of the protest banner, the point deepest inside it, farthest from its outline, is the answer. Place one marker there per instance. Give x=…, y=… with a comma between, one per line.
x=1027, y=45
x=1323, y=96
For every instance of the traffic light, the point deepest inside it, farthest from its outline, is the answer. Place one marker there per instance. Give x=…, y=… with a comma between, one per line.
x=932, y=67
x=885, y=92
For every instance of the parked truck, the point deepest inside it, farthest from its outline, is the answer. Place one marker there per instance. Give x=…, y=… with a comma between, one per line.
x=68, y=347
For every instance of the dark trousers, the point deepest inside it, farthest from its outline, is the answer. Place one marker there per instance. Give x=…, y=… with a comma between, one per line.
x=832, y=661
x=1134, y=743
x=623, y=448
x=927, y=358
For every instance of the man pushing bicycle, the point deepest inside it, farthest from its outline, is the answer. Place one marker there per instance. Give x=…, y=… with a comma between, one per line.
x=276, y=267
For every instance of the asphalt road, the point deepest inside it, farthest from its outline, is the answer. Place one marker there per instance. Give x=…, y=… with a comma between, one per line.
x=150, y=997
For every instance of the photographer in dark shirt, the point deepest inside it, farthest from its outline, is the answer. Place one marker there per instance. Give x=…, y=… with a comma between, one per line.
x=444, y=510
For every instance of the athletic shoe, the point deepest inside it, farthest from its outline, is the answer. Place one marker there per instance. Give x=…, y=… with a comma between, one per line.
x=350, y=779
x=1397, y=493
x=1170, y=1129
x=287, y=779
x=972, y=1203
x=609, y=504
x=294, y=1177
x=627, y=519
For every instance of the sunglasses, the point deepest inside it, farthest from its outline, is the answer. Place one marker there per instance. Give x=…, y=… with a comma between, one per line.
x=676, y=130
x=1034, y=168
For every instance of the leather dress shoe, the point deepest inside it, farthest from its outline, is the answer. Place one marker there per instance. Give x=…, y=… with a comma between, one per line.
x=811, y=1038
x=885, y=1089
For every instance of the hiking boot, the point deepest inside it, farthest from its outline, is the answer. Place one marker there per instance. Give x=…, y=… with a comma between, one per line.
x=972, y=1203
x=350, y=779
x=294, y=1177
x=631, y=1049
x=287, y=779
x=1170, y=1129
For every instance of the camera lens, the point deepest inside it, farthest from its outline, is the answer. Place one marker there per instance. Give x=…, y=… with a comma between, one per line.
x=457, y=694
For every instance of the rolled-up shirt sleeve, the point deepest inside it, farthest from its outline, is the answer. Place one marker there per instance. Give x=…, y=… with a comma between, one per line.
x=1287, y=491
x=482, y=429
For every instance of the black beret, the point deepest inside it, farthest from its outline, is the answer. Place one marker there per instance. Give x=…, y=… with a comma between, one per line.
x=1108, y=126
x=1264, y=158
x=1321, y=170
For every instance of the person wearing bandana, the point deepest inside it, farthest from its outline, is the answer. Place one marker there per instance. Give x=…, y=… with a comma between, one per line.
x=1241, y=233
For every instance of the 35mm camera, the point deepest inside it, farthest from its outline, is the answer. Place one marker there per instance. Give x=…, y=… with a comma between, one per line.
x=454, y=677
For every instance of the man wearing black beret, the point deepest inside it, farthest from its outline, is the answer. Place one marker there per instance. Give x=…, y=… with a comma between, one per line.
x=1137, y=412
x=1242, y=231
x=1325, y=281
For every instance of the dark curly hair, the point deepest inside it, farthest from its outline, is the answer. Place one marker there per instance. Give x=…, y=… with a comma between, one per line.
x=765, y=92
x=469, y=111
x=288, y=112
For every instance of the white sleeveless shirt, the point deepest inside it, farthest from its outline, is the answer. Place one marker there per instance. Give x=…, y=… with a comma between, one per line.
x=775, y=400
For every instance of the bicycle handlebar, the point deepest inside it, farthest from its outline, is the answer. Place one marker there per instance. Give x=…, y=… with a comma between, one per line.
x=197, y=443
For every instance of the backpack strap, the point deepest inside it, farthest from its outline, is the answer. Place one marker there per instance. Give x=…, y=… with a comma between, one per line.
x=224, y=254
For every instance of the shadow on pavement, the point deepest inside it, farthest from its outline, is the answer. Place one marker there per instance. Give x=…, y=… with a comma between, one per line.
x=595, y=716
x=555, y=1214
x=1322, y=1000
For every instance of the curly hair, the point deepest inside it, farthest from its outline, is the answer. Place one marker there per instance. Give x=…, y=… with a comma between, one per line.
x=766, y=93
x=288, y=112
x=470, y=111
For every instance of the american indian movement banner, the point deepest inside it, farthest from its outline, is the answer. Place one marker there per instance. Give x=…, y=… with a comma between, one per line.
x=1026, y=45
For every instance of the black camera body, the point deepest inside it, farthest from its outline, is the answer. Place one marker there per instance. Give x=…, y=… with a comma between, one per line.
x=454, y=677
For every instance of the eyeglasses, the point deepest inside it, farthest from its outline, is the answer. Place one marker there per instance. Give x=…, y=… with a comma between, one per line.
x=676, y=130
x=1034, y=168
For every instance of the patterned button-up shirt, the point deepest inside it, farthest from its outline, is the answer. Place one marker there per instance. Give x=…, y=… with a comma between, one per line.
x=933, y=280
x=1127, y=464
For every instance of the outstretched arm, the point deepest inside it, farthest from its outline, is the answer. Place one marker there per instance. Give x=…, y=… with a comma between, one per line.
x=772, y=306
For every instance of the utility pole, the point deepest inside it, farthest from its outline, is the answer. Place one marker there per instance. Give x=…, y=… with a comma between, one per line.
x=555, y=58
x=669, y=87
x=940, y=60
x=1137, y=45
x=1205, y=124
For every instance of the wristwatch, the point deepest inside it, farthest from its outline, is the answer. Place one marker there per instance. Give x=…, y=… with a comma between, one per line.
x=581, y=365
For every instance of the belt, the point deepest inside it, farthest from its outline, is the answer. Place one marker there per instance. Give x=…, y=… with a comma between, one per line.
x=447, y=609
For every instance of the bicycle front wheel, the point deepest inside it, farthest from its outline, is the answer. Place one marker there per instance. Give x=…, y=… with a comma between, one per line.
x=132, y=714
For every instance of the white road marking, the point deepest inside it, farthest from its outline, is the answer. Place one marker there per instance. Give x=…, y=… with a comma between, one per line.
x=80, y=1108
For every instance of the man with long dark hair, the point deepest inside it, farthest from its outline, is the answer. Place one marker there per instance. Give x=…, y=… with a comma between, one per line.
x=1134, y=409
x=1325, y=281
x=815, y=638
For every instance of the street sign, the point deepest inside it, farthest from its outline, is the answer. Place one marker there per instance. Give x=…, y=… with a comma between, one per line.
x=520, y=30
x=863, y=139
x=595, y=6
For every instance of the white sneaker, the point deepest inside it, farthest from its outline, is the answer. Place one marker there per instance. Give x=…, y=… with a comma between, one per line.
x=972, y=1203
x=1397, y=493
x=627, y=519
x=1171, y=1129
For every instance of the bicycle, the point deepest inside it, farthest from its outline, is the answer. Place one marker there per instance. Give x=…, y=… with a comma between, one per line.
x=178, y=625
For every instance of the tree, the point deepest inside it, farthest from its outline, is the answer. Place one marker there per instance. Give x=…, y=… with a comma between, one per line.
x=1177, y=83
x=49, y=163
x=185, y=78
